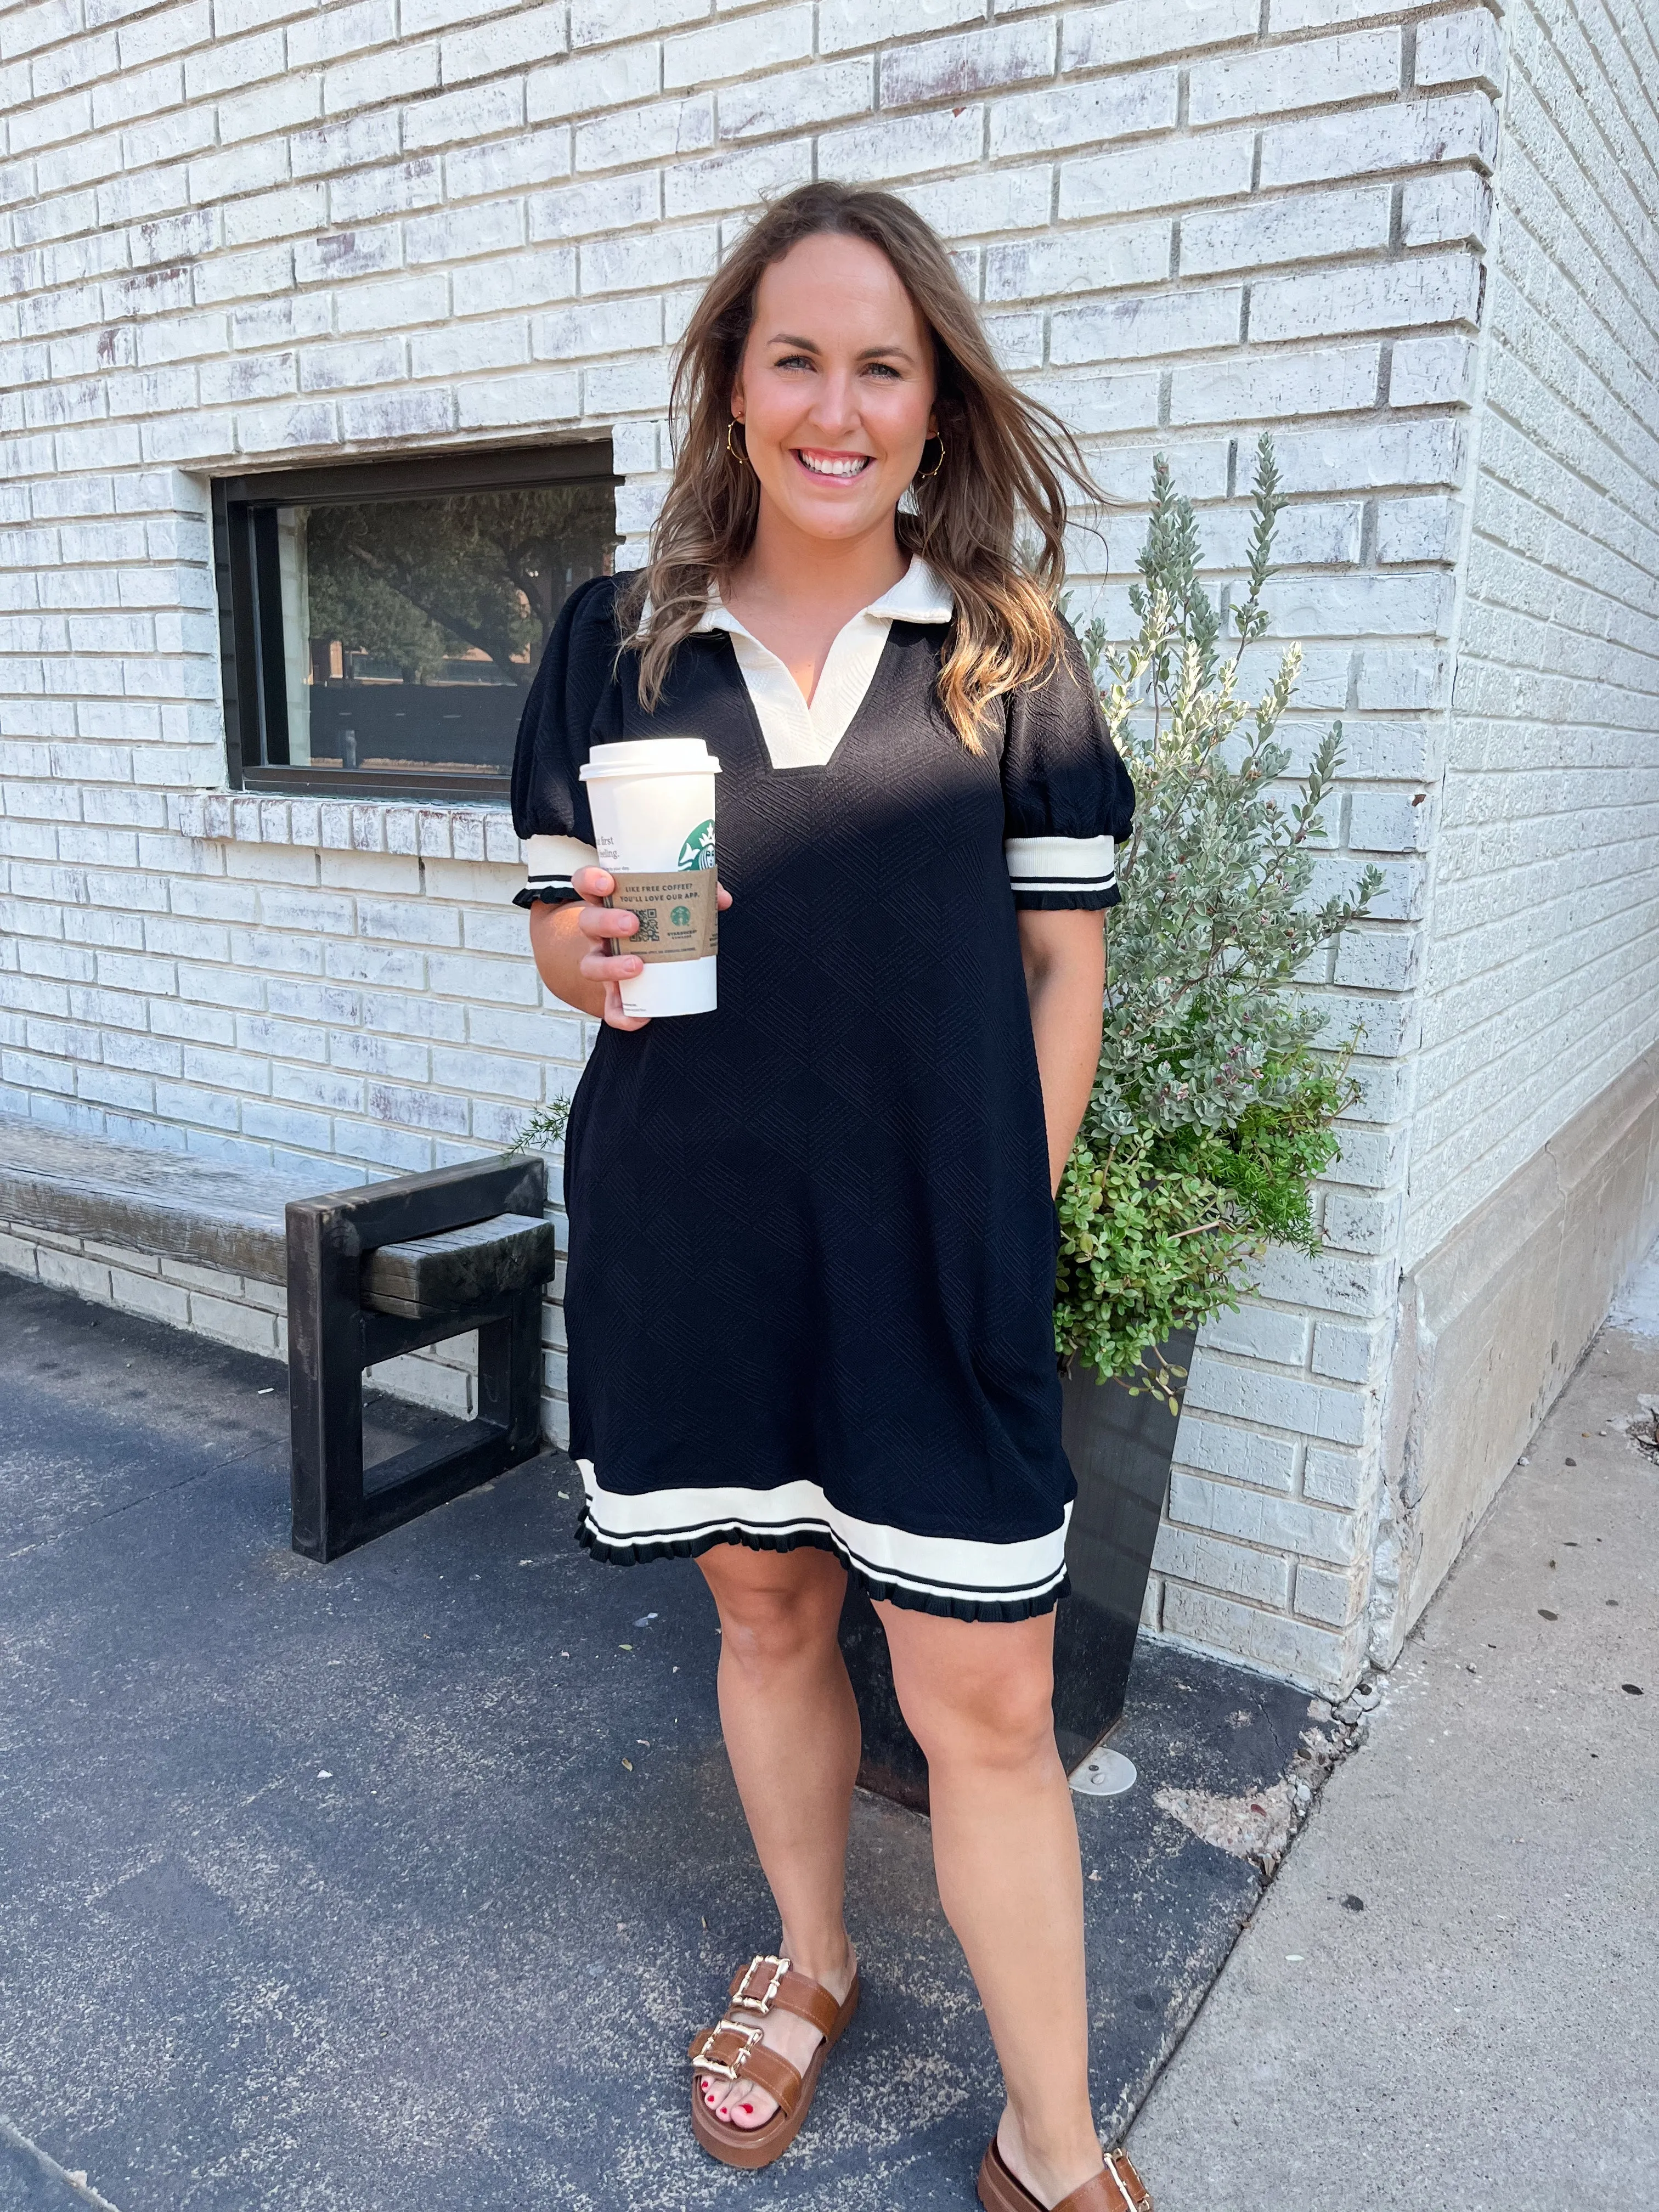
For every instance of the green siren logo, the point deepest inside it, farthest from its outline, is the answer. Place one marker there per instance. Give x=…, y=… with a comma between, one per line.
x=698, y=850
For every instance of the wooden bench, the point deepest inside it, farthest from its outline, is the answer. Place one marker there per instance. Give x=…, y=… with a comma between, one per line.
x=370, y=1272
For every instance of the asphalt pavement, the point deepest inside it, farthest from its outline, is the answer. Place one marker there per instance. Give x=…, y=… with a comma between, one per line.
x=399, y=1885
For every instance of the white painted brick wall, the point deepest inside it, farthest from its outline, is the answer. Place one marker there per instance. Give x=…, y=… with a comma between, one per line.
x=240, y=234
x=1542, y=977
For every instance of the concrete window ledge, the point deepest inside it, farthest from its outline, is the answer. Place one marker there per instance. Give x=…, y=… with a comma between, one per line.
x=425, y=831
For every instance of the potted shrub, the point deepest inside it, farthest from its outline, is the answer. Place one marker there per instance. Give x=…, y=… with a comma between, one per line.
x=1215, y=1107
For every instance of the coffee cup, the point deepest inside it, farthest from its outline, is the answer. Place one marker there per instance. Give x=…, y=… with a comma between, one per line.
x=653, y=803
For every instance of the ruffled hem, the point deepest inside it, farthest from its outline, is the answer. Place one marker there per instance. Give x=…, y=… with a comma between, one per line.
x=945, y=1605
x=548, y=894
x=1068, y=902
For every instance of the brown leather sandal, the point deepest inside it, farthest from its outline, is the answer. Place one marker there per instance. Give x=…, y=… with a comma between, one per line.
x=1116, y=2188
x=735, y=2048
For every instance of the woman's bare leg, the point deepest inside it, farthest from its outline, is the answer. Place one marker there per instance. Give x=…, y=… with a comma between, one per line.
x=791, y=1725
x=977, y=1695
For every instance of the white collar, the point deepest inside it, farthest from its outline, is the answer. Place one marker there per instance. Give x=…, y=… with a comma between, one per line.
x=919, y=596
x=801, y=736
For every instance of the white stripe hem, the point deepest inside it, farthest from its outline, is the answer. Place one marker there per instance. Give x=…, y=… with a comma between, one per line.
x=1058, y=883
x=1060, y=863
x=942, y=1567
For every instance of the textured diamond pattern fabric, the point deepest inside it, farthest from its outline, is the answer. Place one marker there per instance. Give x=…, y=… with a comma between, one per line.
x=811, y=1248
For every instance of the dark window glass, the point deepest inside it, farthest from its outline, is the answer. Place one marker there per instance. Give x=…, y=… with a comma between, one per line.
x=385, y=641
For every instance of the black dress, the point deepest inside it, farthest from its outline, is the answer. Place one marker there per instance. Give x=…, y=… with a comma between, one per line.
x=810, y=1294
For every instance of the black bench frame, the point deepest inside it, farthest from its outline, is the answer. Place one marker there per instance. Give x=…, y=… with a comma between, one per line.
x=333, y=1337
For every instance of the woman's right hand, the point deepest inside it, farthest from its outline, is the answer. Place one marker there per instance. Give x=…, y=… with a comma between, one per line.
x=596, y=923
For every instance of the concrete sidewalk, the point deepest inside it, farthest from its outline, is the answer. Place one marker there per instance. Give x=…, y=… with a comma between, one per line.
x=1448, y=1997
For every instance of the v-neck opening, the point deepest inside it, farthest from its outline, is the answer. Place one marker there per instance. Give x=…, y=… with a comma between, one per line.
x=798, y=732
x=783, y=709
x=855, y=721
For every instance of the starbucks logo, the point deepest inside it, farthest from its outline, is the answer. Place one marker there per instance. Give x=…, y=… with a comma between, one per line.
x=680, y=917
x=698, y=850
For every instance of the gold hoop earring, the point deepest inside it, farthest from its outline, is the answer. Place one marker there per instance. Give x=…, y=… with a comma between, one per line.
x=928, y=475
x=739, y=458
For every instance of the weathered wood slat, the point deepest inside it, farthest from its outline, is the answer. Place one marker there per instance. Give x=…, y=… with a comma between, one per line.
x=234, y=1219
x=168, y=1202
x=434, y=1275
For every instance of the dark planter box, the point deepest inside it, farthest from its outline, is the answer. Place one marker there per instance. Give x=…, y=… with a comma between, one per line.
x=1120, y=1449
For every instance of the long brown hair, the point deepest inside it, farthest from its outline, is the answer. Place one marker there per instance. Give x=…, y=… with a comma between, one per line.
x=1003, y=474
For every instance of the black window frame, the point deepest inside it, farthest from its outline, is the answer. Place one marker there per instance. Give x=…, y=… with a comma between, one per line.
x=255, y=698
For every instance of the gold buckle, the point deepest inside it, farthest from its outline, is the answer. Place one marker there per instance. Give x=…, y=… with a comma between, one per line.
x=1140, y=2203
x=702, y=2053
x=761, y=2004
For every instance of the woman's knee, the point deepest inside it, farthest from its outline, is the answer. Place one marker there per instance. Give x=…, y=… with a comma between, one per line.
x=777, y=1608
x=982, y=1695
x=1008, y=1727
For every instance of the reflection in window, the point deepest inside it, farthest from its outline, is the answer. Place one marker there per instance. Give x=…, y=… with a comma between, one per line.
x=410, y=629
x=380, y=622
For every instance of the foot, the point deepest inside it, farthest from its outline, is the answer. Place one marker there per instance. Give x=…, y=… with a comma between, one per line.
x=1050, y=2171
x=744, y=2104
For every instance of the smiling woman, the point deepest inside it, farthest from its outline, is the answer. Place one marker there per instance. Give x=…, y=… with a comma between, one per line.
x=810, y=1297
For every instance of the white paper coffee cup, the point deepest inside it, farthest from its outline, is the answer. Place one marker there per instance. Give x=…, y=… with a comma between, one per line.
x=653, y=803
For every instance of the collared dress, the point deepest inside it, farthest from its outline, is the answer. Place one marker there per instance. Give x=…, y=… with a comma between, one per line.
x=811, y=1282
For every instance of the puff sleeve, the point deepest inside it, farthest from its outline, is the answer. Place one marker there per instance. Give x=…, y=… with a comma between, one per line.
x=1067, y=798
x=565, y=712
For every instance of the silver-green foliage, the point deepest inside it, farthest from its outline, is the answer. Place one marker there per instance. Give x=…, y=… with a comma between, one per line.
x=545, y=1128
x=1215, y=921
x=1212, y=1113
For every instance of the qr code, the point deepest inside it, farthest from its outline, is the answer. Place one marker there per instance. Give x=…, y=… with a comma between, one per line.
x=648, y=933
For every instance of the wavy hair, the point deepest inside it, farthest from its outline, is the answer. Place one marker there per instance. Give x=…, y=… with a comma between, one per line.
x=1003, y=479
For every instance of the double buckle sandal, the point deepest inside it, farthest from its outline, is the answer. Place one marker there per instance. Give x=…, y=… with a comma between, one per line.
x=1116, y=2188
x=735, y=2050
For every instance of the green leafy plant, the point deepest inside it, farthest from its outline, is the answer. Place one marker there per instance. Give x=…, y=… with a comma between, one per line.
x=1213, y=1111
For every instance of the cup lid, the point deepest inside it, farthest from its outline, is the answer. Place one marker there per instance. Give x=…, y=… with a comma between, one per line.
x=649, y=756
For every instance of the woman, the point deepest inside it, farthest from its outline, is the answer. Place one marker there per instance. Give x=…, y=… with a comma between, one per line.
x=812, y=1234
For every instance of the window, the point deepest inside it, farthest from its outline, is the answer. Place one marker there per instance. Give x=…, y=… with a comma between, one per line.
x=380, y=624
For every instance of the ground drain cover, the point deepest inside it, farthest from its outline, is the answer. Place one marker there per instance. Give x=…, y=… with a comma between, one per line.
x=1104, y=1774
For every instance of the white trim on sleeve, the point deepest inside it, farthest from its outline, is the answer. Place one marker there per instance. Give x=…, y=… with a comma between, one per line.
x=552, y=861
x=1061, y=864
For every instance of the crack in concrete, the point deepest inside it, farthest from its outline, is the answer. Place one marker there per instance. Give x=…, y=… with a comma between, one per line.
x=77, y=2183
x=1261, y=1825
